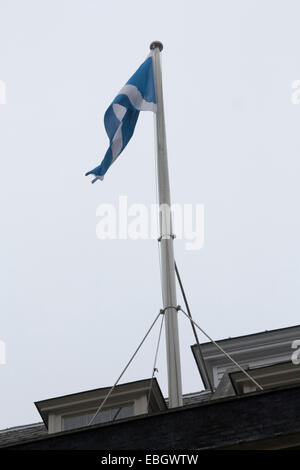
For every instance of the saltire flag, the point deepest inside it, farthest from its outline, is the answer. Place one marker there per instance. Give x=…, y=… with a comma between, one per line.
x=120, y=118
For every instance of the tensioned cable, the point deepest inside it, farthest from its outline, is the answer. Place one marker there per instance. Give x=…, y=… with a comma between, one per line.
x=155, y=361
x=124, y=370
x=202, y=361
x=222, y=350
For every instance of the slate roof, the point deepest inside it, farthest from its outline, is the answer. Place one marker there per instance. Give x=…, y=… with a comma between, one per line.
x=18, y=434
x=195, y=398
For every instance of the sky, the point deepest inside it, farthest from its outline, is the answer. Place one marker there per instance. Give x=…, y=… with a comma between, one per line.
x=73, y=307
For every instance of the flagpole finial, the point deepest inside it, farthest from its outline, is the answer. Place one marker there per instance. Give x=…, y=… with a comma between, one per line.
x=155, y=44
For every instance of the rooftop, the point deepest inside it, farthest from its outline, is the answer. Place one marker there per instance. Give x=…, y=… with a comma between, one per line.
x=31, y=432
x=260, y=420
x=205, y=420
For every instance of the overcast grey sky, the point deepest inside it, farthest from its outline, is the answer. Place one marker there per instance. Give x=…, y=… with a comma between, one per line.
x=74, y=308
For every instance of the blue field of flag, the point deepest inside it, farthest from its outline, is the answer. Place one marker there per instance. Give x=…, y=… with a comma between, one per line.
x=120, y=118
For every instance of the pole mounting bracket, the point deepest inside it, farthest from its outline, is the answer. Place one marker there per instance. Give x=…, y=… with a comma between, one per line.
x=166, y=236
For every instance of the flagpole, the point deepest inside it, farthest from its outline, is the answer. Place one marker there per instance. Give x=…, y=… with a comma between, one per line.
x=166, y=240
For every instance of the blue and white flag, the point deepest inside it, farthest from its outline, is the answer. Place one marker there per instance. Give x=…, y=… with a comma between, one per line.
x=120, y=118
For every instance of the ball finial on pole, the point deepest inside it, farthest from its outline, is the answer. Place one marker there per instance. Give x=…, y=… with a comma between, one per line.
x=155, y=44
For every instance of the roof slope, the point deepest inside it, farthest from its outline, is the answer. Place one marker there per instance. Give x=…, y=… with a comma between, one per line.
x=19, y=434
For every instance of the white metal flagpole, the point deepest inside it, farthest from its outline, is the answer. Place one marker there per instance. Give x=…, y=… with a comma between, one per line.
x=166, y=240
